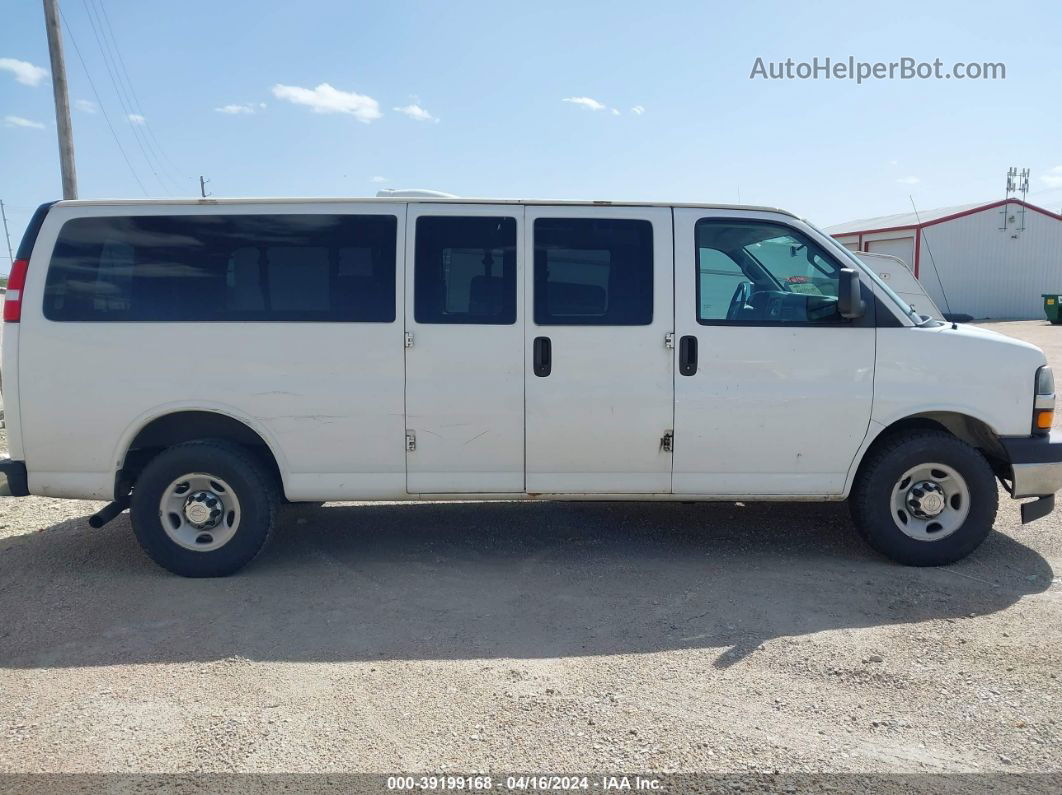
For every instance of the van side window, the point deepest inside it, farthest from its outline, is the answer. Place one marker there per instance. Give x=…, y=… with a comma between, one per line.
x=116, y=272
x=761, y=273
x=338, y=268
x=593, y=272
x=464, y=270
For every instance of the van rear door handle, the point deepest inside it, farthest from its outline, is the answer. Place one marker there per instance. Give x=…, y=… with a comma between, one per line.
x=688, y=355
x=543, y=356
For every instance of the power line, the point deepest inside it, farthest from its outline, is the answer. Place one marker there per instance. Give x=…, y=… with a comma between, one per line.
x=99, y=101
x=119, y=91
x=143, y=127
x=165, y=159
x=7, y=234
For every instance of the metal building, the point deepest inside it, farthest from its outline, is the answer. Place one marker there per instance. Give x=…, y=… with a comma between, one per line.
x=988, y=260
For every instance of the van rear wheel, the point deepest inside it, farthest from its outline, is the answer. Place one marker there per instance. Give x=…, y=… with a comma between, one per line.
x=925, y=498
x=204, y=508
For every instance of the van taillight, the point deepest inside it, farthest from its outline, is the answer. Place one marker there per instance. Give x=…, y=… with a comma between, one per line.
x=15, y=282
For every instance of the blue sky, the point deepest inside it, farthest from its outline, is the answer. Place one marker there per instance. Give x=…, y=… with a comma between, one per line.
x=469, y=97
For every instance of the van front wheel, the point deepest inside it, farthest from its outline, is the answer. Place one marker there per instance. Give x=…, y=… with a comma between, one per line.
x=925, y=499
x=204, y=508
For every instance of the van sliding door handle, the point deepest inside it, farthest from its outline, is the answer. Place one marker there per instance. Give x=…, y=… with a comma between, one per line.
x=543, y=356
x=688, y=355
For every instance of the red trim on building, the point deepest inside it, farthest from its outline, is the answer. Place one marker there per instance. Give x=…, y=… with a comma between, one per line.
x=1000, y=203
x=953, y=216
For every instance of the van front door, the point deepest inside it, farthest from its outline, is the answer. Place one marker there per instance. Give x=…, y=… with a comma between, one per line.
x=464, y=349
x=773, y=387
x=599, y=386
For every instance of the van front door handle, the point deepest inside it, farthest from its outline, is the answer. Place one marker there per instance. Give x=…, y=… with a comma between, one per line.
x=543, y=356
x=688, y=355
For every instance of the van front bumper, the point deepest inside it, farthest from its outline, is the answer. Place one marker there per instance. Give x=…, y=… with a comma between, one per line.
x=13, y=482
x=1036, y=471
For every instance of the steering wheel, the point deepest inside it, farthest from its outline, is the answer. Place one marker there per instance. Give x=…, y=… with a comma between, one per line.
x=742, y=295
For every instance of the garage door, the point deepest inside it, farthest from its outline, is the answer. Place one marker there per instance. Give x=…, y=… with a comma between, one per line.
x=902, y=247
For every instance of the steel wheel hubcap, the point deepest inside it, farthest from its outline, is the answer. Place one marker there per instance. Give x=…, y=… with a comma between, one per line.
x=926, y=499
x=930, y=502
x=199, y=512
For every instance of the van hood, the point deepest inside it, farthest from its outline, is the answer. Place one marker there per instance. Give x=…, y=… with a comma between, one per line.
x=983, y=336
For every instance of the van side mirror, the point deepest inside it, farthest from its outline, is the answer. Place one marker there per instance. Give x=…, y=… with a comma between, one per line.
x=849, y=298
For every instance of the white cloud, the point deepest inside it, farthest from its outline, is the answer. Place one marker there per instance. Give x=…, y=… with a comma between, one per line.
x=379, y=180
x=637, y=110
x=136, y=118
x=586, y=102
x=85, y=105
x=894, y=162
x=237, y=108
x=1053, y=177
x=18, y=121
x=416, y=112
x=24, y=72
x=908, y=180
x=326, y=99
x=592, y=104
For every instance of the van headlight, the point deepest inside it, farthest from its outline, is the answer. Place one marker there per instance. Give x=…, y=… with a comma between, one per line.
x=1044, y=401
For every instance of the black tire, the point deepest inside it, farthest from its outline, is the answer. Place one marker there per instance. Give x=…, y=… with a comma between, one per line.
x=252, y=483
x=872, y=507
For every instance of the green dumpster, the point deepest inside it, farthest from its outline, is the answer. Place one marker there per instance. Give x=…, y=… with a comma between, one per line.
x=1051, y=306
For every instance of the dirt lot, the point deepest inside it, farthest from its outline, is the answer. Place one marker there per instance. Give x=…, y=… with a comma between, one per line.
x=533, y=637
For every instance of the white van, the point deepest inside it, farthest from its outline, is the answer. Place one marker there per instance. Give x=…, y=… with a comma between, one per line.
x=202, y=361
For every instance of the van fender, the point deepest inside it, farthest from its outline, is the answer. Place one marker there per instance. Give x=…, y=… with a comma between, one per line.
x=878, y=425
x=152, y=414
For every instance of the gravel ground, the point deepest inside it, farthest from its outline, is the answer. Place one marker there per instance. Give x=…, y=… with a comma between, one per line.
x=532, y=637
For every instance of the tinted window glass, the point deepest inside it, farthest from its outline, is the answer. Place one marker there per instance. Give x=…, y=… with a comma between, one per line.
x=593, y=271
x=465, y=270
x=224, y=268
x=763, y=273
x=718, y=277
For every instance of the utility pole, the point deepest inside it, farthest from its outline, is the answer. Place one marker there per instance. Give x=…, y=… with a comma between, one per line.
x=3, y=213
x=62, y=99
x=202, y=186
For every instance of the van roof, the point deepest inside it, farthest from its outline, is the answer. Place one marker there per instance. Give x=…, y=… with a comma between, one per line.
x=213, y=200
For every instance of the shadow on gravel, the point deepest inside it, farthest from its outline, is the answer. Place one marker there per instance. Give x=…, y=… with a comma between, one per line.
x=486, y=580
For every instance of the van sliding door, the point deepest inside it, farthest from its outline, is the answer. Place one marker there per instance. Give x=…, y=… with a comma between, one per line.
x=598, y=373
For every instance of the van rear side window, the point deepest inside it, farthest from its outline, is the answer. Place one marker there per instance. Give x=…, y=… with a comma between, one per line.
x=212, y=268
x=465, y=270
x=593, y=272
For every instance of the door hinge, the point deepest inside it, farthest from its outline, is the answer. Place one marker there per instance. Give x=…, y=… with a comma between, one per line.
x=409, y=339
x=411, y=441
x=667, y=442
x=669, y=340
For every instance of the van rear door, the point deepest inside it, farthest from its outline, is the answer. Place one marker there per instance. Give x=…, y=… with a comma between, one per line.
x=464, y=354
